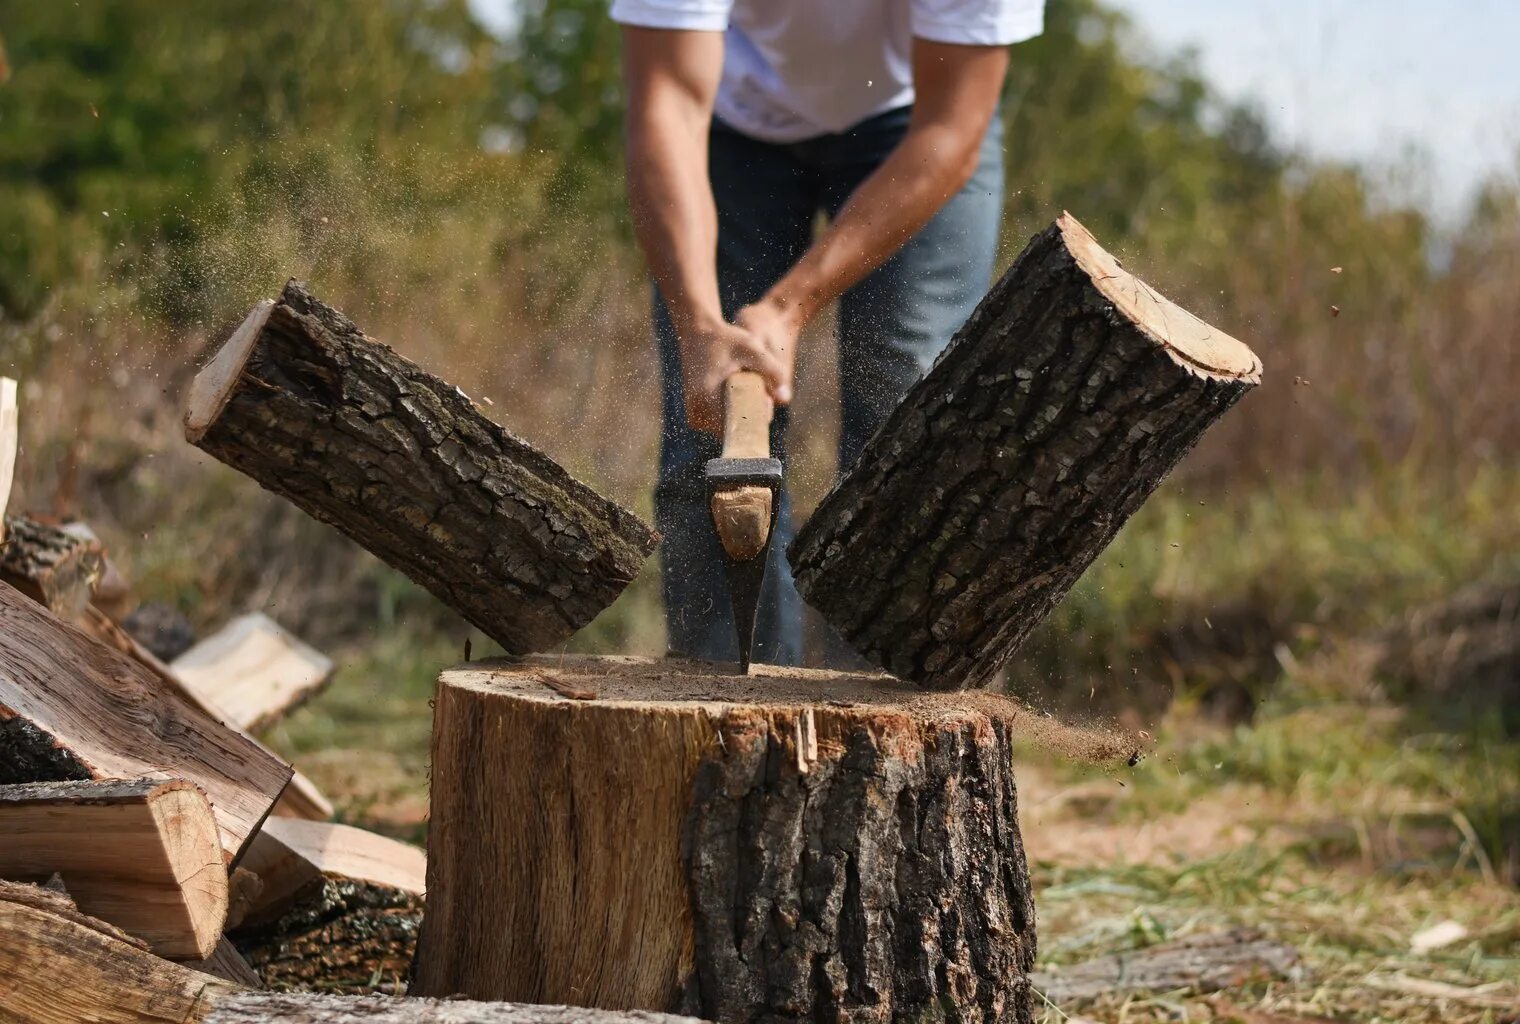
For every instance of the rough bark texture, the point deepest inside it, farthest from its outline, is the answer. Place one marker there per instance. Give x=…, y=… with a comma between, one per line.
x=1056, y=410
x=794, y=845
x=1202, y=963
x=261, y=1007
x=72, y=708
x=340, y=936
x=407, y=466
x=50, y=565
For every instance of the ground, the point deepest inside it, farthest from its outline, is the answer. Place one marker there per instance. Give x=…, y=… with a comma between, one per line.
x=1337, y=826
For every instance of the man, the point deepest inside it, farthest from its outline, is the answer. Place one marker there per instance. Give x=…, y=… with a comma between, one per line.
x=746, y=120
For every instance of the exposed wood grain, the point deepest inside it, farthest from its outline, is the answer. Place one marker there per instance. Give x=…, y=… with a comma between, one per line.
x=406, y=465
x=737, y=847
x=1056, y=410
x=226, y=963
x=253, y=669
x=72, y=708
x=143, y=855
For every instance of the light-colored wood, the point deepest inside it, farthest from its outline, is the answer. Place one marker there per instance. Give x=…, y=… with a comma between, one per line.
x=311, y=1008
x=254, y=670
x=143, y=855
x=228, y=964
x=74, y=708
x=244, y=888
x=681, y=838
x=301, y=798
x=10, y=439
x=58, y=966
x=289, y=854
x=211, y=387
x=742, y=515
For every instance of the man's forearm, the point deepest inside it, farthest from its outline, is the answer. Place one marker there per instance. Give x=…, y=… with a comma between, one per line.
x=673, y=211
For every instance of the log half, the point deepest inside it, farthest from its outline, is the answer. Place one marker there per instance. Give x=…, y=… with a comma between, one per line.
x=406, y=465
x=790, y=846
x=141, y=854
x=1056, y=410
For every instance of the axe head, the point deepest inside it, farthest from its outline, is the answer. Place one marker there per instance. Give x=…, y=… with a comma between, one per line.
x=742, y=498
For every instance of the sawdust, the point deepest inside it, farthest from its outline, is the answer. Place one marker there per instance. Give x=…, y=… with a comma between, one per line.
x=624, y=679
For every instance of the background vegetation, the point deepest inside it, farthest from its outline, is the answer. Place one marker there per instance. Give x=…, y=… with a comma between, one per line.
x=459, y=195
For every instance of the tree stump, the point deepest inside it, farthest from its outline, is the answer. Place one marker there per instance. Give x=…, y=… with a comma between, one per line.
x=795, y=845
x=1059, y=406
x=406, y=465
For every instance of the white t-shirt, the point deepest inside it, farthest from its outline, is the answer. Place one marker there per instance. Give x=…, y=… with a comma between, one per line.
x=794, y=69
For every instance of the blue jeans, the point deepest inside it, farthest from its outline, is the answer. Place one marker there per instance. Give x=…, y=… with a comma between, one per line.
x=891, y=327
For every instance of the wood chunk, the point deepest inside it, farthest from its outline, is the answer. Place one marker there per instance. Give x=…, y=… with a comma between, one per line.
x=302, y=1008
x=244, y=890
x=1056, y=410
x=1202, y=963
x=340, y=910
x=143, y=855
x=254, y=670
x=227, y=963
x=407, y=466
x=735, y=847
x=10, y=439
x=51, y=565
x=72, y=708
x=58, y=966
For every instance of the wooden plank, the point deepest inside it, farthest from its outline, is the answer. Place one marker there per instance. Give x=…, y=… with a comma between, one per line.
x=72, y=708
x=10, y=440
x=143, y=855
x=254, y=670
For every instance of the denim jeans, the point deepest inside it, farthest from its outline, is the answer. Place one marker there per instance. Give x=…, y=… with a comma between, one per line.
x=891, y=326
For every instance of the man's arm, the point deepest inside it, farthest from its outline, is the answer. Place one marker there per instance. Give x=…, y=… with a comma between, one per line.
x=957, y=89
x=672, y=80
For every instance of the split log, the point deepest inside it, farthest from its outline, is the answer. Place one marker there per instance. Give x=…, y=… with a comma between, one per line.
x=1056, y=410
x=10, y=440
x=58, y=966
x=301, y=798
x=51, y=566
x=1206, y=962
x=73, y=709
x=340, y=909
x=143, y=855
x=254, y=670
x=261, y=1007
x=794, y=845
x=406, y=465
x=226, y=963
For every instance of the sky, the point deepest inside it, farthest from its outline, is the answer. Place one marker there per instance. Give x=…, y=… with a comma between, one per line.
x=1375, y=81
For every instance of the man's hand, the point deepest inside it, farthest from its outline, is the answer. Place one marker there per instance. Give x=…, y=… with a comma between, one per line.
x=713, y=351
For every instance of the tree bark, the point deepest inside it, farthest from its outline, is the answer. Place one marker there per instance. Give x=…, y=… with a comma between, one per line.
x=1059, y=406
x=143, y=855
x=406, y=465
x=339, y=911
x=72, y=708
x=254, y=670
x=51, y=566
x=793, y=845
x=261, y=1007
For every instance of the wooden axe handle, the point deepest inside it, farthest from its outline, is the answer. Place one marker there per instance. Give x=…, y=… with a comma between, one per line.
x=743, y=514
x=747, y=412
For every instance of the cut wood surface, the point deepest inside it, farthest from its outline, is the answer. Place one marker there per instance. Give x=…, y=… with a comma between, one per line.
x=254, y=669
x=406, y=465
x=143, y=855
x=288, y=855
x=340, y=908
x=1056, y=410
x=72, y=708
x=792, y=845
x=51, y=565
x=1201, y=963
x=58, y=966
x=294, y=1008
x=10, y=439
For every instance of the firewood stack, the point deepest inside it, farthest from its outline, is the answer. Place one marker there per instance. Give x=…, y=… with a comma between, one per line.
x=629, y=836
